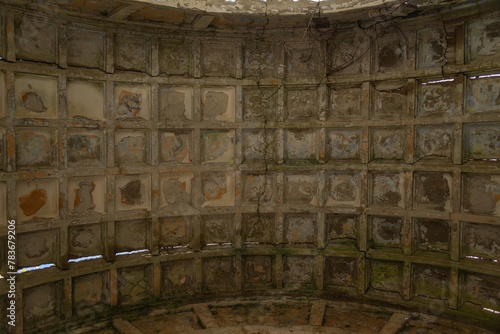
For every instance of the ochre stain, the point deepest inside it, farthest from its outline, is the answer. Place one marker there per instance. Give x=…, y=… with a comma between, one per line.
x=10, y=145
x=77, y=200
x=34, y=201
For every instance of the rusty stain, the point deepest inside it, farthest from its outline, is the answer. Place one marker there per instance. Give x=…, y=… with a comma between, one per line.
x=33, y=202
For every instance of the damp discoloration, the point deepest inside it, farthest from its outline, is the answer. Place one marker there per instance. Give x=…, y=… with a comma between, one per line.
x=41, y=302
x=391, y=54
x=301, y=189
x=482, y=141
x=131, y=235
x=481, y=241
x=430, y=281
x=258, y=270
x=388, y=144
x=299, y=229
x=134, y=284
x=86, y=47
x=133, y=192
x=132, y=101
x=341, y=228
x=433, y=191
x=345, y=102
x=431, y=48
x=386, y=276
x=85, y=99
x=301, y=145
x=175, y=57
x=258, y=228
x=219, y=273
x=218, y=189
x=132, y=52
x=344, y=144
x=85, y=240
x=176, y=103
x=90, y=293
x=218, y=60
x=218, y=104
x=260, y=104
x=130, y=146
x=84, y=148
x=217, y=229
x=341, y=271
x=36, y=38
x=258, y=145
x=343, y=189
x=176, y=231
x=436, y=99
x=302, y=61
x=388, y=189
x=218, y=146
x=36, y=96
x=175, y=147
x=260, y=60
x=481, y=290
x=434, y=142
x=386, y=231
x=302, y=104
x=176, y=189
x=297, y=271
x=432, y=235
x=34, y=148
x=178, y=277
x=482, y=94
x=36, y=248
x=389, y=99
x=483, y=40
x=481, y=194
x=259, y=188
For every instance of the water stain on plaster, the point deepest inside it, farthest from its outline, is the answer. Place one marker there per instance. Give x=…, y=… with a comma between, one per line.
x=33, y=202
x=131, y=193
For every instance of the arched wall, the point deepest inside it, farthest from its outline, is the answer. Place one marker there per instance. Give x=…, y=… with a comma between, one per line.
x=236, y=166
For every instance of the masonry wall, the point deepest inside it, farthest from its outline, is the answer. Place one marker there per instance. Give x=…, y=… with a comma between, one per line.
x=231, y=165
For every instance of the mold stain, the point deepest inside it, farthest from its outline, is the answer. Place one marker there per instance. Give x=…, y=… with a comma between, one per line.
x=33, y=202
x=131, y=193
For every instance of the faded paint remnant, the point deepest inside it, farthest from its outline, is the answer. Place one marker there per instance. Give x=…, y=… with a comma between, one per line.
x=175, y=147
x=131, y=193
x=482, y=193
x=433, y=191
x=33, y=102
x=218, y=146
x=388, y=144
x=434, y=142
x=33, y=202
x=299, y=228
x=432, y=235
x=129, y=104
x=386, y=231
x=84, y=200
x=176, y=192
